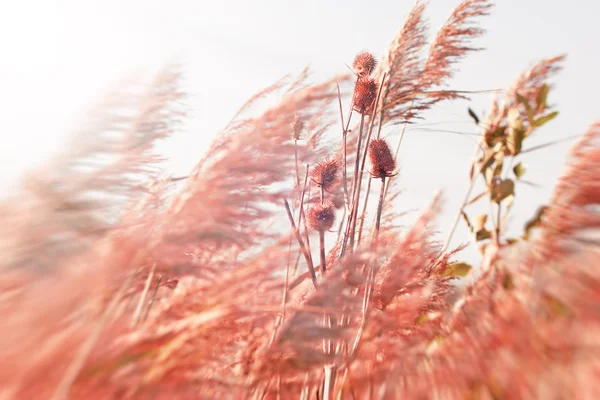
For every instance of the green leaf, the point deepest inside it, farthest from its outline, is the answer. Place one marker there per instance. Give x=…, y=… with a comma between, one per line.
x=457, y=269
x=502, y=190
x=544, y=119
x=514, y=118
x=479, y=222
x=555, y=307
x=474, y=116
x=519, y=170
x=466, y=218
x=495, y=136
x=482, y=234
x=507, y=282
x=511, y=241
x=474, y=199
x=535, y=221
x=525, y=103
x=515, y=141
x=542, y=97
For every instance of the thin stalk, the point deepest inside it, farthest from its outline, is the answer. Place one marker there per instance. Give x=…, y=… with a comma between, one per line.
x=329, y=381
x=474, y=177
x=344, y=137
x=296, y=164
x=356, y=191
x=358, y=148
x=368, y=191
x=379, y=210
x=364, y=211
x=398, y=148
x=309, y=263
x=287, y=270
x=151, y=302
x=300, y=213
x=322, y=251
x=306, y=234
x=498, y=222
x=284, y=297
x=138, y=309
x=67, y=380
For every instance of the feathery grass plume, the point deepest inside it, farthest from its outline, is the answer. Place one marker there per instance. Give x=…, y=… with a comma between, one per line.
x=364, y=64
x=403, y=65
x=452, y=42
x=321, y=217
x=365, y=93
x=326, y=174
x=382, y=160
x=574, y=205
x=78, y=197
x=297, y=127
x=237, y=186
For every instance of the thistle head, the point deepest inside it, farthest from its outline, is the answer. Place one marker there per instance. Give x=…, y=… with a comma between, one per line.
x=365, y=93
x=382, y=160
x=320, y=217
x=326, y=173
x=364, y=63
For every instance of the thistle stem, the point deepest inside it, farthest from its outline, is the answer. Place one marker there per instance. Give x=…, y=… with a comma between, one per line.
x=356, y=190
x=379, y=210
x=322, y=251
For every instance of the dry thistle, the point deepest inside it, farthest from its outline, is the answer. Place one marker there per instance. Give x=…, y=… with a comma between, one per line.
x=382, y=159
x=321, y=216
x=364, y=63
x=365, y=93
x=326, y=174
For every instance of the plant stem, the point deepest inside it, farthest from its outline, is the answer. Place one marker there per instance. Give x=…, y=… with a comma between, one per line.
x=356, y=190
x=474, y=177
x=296, y=164
x=309, y=263
x=138, y=310
x=368, y=191
x=73, y=369
x=322, y=251
x=345, y=139
x=158, y=281
x=379, y=210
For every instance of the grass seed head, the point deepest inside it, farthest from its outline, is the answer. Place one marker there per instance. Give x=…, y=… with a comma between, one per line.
x=297, y=126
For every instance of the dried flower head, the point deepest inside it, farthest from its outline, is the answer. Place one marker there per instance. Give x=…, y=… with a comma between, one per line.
x=364, y=63
x=382, y=159
x=297, y=126
x=320, y=217
x=326, y=173
x=365, y=93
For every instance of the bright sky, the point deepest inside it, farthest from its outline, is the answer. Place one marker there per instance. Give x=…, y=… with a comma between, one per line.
x=58, y=55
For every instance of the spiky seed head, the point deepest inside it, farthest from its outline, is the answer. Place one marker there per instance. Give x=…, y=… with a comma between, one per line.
x=364, y=63
x=365, y=93
x=320, y=217
x=382, y=160
x=297, y=126
x=326, y=173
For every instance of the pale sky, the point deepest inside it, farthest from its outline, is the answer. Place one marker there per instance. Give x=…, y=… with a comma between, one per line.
x=58, y=55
